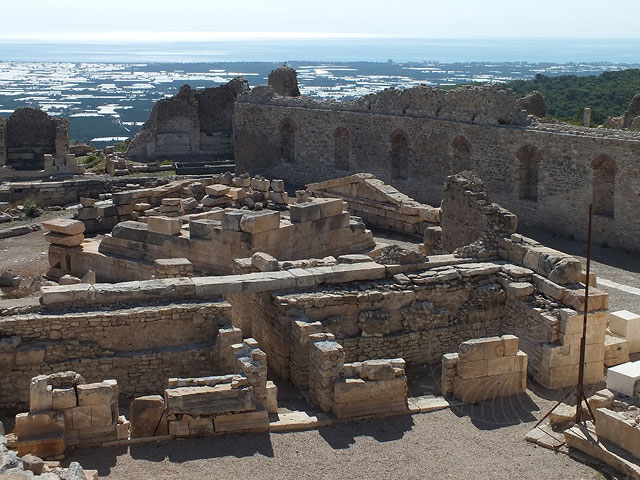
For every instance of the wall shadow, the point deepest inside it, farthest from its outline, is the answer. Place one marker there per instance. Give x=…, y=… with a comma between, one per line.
x=500, y=412
x=383, y=430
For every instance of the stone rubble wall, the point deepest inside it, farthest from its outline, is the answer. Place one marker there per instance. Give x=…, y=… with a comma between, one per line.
x=485, y=368
x=47, y=194
x=565, y=177
x=140, y=346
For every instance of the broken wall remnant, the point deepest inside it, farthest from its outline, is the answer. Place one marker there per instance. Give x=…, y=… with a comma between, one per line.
x=66, y=411
x=284, y=81
x=34, y=145
x=534, y=104
x=189, y=125
x=470, y=223
x=416, y=137
x=485, y=368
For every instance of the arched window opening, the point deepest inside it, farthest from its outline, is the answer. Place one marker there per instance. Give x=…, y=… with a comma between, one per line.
x=461, y=154
x=341, y=148
x=399, y=155
x=604, y=183
x=288, y=141
x=529, y=158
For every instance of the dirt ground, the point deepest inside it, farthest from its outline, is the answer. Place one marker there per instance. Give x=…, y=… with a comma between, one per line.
x=477, y=441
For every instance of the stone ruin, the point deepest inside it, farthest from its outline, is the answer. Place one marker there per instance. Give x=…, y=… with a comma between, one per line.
x=33, y=145
x=192, y=125
x=284, y=81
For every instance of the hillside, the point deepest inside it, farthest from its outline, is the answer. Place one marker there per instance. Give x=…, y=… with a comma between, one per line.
x=608, y=94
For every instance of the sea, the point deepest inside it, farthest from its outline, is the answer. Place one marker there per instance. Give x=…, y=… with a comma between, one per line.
x=552, y=50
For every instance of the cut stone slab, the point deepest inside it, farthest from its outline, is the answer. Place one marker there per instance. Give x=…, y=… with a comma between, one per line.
x=616, y=351
x=64, y=240
x=94, y=394
x=623, y=378
x=145, y=415
x=207, y=400
x=544, y=436
x=427, y=404
x=255, y=421
x=627, y=325
x=64, y=226
x=164, y=225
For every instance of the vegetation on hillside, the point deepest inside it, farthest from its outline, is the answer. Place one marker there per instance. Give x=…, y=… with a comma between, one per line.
x=608, y=94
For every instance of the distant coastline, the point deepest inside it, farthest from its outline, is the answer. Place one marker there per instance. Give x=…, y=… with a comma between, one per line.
x=615, y=51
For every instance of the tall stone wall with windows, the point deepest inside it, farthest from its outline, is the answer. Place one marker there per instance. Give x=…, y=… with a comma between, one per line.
x=545, y=173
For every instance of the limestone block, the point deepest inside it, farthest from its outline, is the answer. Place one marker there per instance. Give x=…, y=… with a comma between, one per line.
x=354, y=258
x=216, y=190
x=510, y=343
x=200, y=426
x=141, y=206
x=145, y=415
x=63, y=398
x=472, y=369
x=241, y=181
x=256, y=421
x=519, y=289
x=264, y=262
x=500, y=366
x=46, y=447
x=68, y=280
x=481, y=349
x=521, y=360
x=511, y=383
x=280, y=198
x=210, y=201
x=33, y=464
x=429, y=214
x=188, y=204
x=101, y=415
x=616, y=351
x=237, y=193
x=354, y=272
x=231, y=220
x=258, y=222
x=601, y=399
x=277, y=185
x=64, y=226
x=92, y=435
x=122, y=429
x=574, y=297
x=472, y=390
x=378, y=370
x=594, y=334
x=41, y=424
x=562, y=416
x=94, y=394
x=175, y=201
x=81, y=417
x=179, y=428
x=206, y=400
x=87, y=213
x=626, y=324
x=126, y=209
x=330, y=206
x=305, y=212
x=64, y=240
x=40, y=394
x=164, y=225
x=271, y=403
x=622, y=431
x=623, y=378
x=260, y=184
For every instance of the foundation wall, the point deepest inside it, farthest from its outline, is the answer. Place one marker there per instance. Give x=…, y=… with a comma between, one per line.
x=139, y=346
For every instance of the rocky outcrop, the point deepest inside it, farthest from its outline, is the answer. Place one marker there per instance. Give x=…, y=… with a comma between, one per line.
x=284, y=81
x=534, y=104
x=190, y=124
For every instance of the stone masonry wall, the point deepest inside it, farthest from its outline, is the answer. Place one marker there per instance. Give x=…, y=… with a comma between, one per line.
x=139, y=346
x=431, y=140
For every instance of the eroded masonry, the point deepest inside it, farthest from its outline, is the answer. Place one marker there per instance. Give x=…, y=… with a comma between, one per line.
x=204, y=295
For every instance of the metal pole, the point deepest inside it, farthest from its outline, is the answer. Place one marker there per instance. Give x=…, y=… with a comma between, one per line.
x=579, y=388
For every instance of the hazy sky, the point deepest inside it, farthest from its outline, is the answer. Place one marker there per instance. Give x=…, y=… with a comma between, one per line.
x=138, y=19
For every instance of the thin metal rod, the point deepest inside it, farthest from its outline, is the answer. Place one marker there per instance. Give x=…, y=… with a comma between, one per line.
x=556, y=406
x=583, y=342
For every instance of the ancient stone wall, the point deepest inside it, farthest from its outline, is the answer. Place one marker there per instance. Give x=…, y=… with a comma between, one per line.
x=414, y=139
x=190, y=124
x=140, y=346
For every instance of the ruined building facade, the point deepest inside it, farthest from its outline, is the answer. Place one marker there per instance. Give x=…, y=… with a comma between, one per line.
x=189, y=125
x=413, y=139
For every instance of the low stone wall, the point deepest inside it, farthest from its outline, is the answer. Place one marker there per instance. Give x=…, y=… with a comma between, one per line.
x=140, y=346
x=485, y=368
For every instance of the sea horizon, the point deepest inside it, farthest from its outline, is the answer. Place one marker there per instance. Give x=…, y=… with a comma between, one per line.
x=330, y=49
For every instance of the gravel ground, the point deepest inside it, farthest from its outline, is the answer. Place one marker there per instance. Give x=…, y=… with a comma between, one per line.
x=480, y=441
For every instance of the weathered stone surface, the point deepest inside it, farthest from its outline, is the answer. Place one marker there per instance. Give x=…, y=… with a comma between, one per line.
x=284, y=81
x=145, y=416
x=207, y=400
x=64, y=240
x=164, y=225
x=94, y=394
x=534, y=104
x=64, y=226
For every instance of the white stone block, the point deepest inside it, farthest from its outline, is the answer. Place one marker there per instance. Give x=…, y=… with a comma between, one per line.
x=623, y=378
x=626, y=324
